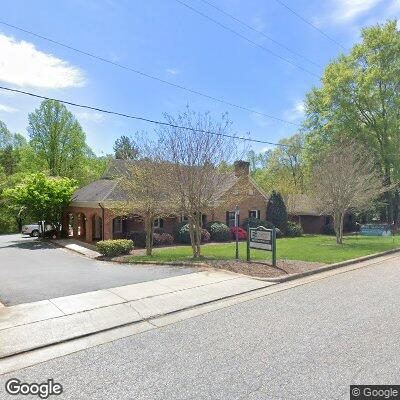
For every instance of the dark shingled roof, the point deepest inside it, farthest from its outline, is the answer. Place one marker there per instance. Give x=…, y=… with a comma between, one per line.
x=301, y=204
x=107, y=188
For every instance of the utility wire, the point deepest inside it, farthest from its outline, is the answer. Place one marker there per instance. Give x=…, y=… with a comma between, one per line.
x=310, y=23
x=135, y=117
x=261, y=33
x=246, y=38
x=155, y=78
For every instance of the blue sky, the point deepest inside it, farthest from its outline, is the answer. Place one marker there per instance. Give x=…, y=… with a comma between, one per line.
x=165, y=39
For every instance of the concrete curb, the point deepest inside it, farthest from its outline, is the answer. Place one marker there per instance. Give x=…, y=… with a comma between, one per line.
x=277, y=279
x=170, y=263
x=329, y=267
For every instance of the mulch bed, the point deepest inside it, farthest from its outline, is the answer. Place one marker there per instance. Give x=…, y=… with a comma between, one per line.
x=263, y=269
x=257, y=269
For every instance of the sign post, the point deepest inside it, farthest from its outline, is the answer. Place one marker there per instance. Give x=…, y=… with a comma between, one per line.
x=237, y=210
x=263, y=239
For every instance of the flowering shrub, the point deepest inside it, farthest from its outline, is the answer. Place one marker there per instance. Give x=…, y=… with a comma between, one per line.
x=162, y=239
x=219, y=232
x=242, y=234
x=183, y=235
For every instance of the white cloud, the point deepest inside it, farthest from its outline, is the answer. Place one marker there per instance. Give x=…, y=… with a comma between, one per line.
x=7, y=109
x=90, y=116
x=296, y=112
x=173, y=71
x=349, y=10
x=23, y=65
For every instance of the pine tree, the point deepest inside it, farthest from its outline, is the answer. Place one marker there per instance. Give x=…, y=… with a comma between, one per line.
x=276, y=211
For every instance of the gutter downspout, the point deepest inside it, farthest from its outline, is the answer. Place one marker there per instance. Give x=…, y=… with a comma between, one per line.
x=102, y=221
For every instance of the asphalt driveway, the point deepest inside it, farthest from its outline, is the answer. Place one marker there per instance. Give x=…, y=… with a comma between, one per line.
x=32, y=270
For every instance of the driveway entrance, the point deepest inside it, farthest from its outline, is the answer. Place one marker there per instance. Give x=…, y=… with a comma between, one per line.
x=32, y=270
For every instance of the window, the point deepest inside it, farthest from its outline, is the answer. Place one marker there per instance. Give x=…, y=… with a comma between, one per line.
x=230, y=218
x=158, y=223
x=254, y=214
x=117, y=225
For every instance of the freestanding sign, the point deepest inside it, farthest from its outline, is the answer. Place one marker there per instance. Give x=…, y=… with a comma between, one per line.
x=263, y=239
x=376, y=230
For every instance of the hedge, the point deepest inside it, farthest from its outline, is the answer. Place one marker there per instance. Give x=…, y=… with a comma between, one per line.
x=112, y=248
x=219, y=232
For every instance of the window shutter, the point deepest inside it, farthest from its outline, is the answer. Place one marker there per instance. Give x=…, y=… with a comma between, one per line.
x=227, y=218
x=161, y=223
x=259, y=214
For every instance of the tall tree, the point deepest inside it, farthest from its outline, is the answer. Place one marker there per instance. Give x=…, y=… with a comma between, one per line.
x=125, y=148
x=276, y=211
x=58, y=139
x=359, y=100
x=285, y=170
x=195, y=156
x=11, y=147
x=344, y=181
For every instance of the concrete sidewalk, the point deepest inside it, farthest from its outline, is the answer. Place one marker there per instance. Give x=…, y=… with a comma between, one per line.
x=80, y=247
x=34, y=325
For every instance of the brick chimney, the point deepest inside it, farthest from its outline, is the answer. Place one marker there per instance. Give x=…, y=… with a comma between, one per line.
x=242, y=168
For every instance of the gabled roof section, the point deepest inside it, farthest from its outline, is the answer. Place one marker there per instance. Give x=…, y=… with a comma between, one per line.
x=107, y=188
x=301, y=204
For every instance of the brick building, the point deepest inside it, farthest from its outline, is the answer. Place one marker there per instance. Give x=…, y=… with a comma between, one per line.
x=90, y=216
x=303, y=210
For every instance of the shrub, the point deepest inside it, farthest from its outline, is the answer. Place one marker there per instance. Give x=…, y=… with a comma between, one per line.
x=112, y=248
x=159, y=231
x=219, y=232
x=183, y=235
x=255, y=222
x=242, y=233
x=138, y=237
x=210, y=223
x=205, y=236
x=294, y=229
x=276, y=211
x=162, y=239
x=328, y=229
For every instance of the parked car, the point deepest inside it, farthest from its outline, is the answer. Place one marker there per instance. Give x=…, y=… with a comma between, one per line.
x=31, y=230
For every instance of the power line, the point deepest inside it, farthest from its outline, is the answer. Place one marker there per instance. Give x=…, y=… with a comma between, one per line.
x=246, y=38
x=261, y=33
x=152, y=121
x=131, y=69
x=311, y=24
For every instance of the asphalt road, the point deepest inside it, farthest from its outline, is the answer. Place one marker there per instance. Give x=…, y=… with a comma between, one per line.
x=309, y=342
x=32, y=270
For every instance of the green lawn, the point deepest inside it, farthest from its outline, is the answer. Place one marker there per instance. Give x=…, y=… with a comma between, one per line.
x=317, y=248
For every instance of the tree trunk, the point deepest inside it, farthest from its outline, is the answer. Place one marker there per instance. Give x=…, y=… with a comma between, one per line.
x=341, y=227
x=195, y=235
x=338, y=226
x=192, y=236
x=148, y=223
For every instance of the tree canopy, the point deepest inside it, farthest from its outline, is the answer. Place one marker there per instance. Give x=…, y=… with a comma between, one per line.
x=45, y=197
x=58, y=139
x=359, y=100
x=125, y=148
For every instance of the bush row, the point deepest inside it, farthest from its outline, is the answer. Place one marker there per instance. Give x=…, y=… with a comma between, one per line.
x=215, y=231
